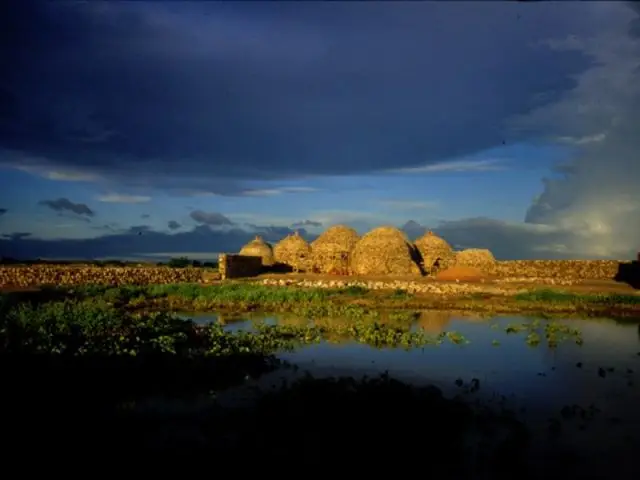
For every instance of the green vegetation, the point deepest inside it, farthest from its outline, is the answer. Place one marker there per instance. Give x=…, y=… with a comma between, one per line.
x=553, y=332
x=352, y=302
x=183, y=262
x=101, y=323
x=9, y=261
x=549, y=296
x=176, y=262
x=80, y=327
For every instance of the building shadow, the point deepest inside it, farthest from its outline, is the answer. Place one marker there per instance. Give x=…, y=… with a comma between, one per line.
x=629, y=273
x=278, y=268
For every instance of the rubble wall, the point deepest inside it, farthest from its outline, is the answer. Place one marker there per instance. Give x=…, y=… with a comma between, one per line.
x=239, y=266
x=559, y=269
x=34, y=275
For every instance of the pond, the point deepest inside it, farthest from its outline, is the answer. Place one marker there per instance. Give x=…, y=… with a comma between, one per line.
x=602, y=375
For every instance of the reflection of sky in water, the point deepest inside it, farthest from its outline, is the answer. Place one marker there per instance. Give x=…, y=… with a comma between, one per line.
x=538, y=379
x=539, y=375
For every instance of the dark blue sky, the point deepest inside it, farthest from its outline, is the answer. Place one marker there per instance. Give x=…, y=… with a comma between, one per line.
x=507, y=125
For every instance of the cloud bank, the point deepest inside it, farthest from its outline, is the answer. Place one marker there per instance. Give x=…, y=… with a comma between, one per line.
x=161, y=95
x=167, y=95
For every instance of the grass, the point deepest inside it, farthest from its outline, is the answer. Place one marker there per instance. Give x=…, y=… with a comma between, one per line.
x=549, y=296
x=96, y=325
x=352, y=302
x=80, y=327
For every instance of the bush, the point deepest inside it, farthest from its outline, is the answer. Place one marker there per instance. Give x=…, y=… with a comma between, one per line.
x=180, y=262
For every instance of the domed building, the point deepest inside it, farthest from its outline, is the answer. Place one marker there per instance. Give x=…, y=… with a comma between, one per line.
x=384, y=251
x=293, y=251
x=259, y=248
x=331, y=251
x=435, y=252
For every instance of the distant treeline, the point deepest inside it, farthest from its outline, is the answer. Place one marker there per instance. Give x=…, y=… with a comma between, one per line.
x=180, y=262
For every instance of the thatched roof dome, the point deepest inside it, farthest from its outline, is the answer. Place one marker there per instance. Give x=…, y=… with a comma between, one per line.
x=384, y=251
x=436, y=253
x=331, y=251
x=475, y=257
x=259, y=248
x=294, y=251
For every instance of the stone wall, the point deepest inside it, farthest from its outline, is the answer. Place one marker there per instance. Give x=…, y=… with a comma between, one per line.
x=34, y=275
x=238, y=266
x=559, y=269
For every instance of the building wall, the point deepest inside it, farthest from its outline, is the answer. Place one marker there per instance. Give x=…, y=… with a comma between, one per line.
x=561, y=269
x=238, y=266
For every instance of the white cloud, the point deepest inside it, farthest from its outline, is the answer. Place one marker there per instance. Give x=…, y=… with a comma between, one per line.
x=597, y=200
x=42, y=167
x=269, y=192
x=598, y=137
x=68, y=176
x=485, y=165
x=57, y=175
x=120, y=198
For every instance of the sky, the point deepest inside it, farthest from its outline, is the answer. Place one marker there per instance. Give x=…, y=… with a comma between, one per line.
x=158, y=129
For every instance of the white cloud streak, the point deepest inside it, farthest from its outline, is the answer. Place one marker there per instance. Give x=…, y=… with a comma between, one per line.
x=270, y=192
x=121, y=198
x=459, y=166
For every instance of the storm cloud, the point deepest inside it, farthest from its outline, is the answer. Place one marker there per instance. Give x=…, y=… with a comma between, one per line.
x=17, y=235
x=200, y=239
x=210, y=218
x=64, y=204
x=168, y=93
x=220, y=97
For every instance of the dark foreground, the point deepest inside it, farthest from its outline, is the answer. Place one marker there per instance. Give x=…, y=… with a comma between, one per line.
x=101, y=407
x=89, y=406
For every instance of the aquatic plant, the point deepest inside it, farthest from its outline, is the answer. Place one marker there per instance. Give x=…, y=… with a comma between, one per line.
x=553, y=332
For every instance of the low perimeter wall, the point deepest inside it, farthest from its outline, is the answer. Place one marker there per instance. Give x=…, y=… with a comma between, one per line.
x=33, y=275
x=560, y=269
x=238, y=266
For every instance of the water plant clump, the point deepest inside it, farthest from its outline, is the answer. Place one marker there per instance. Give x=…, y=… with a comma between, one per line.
x=79, y=327
x=553, y=332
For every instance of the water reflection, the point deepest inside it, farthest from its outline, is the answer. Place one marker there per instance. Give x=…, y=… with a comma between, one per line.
x=503, y=362
x=435, y=321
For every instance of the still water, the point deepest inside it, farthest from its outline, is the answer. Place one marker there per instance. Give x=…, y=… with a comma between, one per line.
x=536, y=382
x=503, y=363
